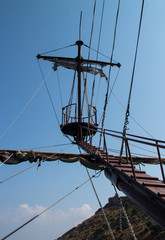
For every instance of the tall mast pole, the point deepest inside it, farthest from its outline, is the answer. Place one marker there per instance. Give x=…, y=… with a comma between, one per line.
x=79, y=61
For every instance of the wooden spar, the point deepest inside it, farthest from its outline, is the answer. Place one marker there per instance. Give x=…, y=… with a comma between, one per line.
x=73, y=60
x=47, y=153
x=136, y=160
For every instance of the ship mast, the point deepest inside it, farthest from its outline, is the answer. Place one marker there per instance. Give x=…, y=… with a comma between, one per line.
x=77, y=126
x=79, y=58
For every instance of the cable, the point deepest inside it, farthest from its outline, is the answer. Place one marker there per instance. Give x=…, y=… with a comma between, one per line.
x=86, y=97
x=59, y=86
x=6, y=159
x=46, y=209
x=51, y=101
x=133, y=153
x=68, y=108
x=132, y=78
x=55, y=50
x=93, y=19
x=125, y=214
x=106, y=96
x=49, y=146
x=107, y=222
x=96, y=51
x=131, y=115
x=111, y=90
x=24, y=108
x=90, y=42
x=105, y=217
x=98, y=46
x=28, y=167
x=18, y=173
x=80, y=26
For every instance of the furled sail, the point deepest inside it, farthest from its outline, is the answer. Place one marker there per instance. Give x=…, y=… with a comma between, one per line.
x=89, y=69
x=12, y=157
x=16, y=157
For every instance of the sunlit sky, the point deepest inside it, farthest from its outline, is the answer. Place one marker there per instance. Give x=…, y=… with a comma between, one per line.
x=37, y=26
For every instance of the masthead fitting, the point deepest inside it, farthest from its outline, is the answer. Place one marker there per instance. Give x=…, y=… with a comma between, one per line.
x=79, y=43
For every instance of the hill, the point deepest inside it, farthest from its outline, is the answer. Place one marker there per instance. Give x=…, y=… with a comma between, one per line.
x=95, y=227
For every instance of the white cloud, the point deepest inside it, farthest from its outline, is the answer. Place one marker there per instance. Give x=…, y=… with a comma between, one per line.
x=50, y=225
x=82, y=213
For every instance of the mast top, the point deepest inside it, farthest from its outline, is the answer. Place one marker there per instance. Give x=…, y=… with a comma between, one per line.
x=79, y=43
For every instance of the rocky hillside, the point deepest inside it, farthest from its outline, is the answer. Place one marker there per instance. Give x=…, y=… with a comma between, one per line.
x=95, y=228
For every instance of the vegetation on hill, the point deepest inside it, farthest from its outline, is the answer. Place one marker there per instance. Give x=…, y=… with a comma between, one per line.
x=95, y=227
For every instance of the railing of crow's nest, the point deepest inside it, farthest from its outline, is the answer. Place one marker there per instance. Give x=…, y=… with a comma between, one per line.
x=69, y=114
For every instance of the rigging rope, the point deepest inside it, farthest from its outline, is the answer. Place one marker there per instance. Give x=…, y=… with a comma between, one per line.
x=50, y=98
x=49, y=146
x=107, y=222
x=125, y=214
x=31, y=166
x=106, y=96
x=97, y=51
x=90, y=42
x=131, y=116
x=80, y=26
x=18, y=173
x=71, y=98
x=24, y=108
x=94, y=189
x=134, y=153
x=72, y=89
x=86, y=98
x=98, y=46
x=59, y=86
x=132, y=78
x=6, y=159
x=46, y=209
x=93, y=18
x=71, y=45
x=120, y=217
x=111, y=90
x=85, y=82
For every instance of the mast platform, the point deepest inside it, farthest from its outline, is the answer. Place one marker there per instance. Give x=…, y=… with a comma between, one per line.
x=71, y=126
x=72, y=129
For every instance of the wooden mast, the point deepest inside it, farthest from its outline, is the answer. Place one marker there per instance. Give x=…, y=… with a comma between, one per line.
x=79, y=61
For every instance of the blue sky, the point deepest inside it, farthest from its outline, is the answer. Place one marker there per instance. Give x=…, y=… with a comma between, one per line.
x=32, y=27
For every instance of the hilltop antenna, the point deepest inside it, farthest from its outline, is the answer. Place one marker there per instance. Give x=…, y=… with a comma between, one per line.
x=80, y=26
